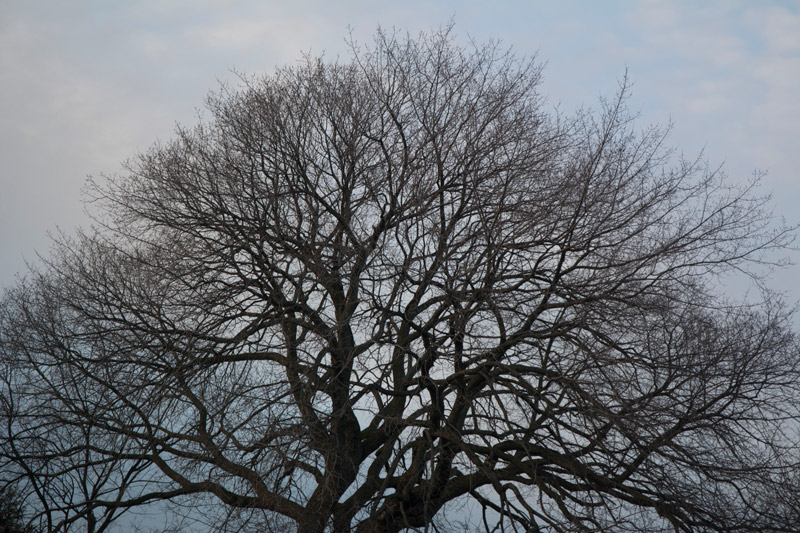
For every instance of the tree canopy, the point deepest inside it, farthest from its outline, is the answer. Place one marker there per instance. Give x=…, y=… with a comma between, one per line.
x=12, y=512
x=403, y=292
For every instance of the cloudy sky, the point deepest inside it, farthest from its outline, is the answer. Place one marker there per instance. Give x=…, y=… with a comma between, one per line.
x=87, y=84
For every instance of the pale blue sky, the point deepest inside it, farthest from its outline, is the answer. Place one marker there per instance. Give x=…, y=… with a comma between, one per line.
x=86, y=84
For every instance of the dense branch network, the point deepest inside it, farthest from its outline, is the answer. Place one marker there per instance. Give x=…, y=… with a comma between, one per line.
x=399, y=292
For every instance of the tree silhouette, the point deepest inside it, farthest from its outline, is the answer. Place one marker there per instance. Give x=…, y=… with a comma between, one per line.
x=12, y=512
x=399, y=292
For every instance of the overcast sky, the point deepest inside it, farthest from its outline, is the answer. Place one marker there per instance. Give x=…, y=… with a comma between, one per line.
x=87, y=84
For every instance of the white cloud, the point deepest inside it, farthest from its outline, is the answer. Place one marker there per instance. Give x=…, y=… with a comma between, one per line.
x=244, y=35
x=780, y=28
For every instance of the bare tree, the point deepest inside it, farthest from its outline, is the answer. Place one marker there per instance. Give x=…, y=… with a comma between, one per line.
x=400, y=292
